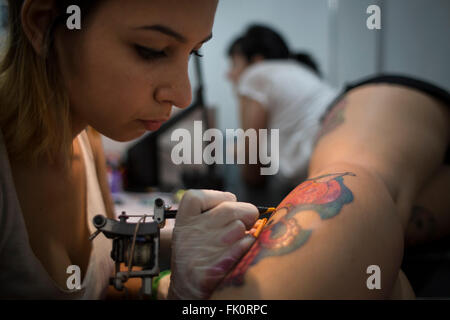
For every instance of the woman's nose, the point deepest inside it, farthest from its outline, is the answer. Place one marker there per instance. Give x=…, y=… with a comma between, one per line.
x=177, y=91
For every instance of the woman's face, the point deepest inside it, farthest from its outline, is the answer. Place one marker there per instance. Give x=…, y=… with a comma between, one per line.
x=238, y=63
x=129, y=64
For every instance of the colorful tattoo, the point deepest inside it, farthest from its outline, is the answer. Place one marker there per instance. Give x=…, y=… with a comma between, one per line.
x=333, y=119
x=325, y=195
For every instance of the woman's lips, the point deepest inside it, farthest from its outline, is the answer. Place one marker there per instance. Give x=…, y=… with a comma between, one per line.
x=152, y=125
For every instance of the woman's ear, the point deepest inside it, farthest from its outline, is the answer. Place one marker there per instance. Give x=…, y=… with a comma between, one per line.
x=37, y=16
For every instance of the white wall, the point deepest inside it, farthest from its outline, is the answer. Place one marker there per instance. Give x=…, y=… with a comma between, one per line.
x=416, y=39
x=354, y=45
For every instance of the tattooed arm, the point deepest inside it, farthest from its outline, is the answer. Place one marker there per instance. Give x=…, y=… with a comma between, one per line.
x=321, y=240
x=352, y=212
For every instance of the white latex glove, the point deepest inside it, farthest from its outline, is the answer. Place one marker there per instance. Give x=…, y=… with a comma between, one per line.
x=209, y=237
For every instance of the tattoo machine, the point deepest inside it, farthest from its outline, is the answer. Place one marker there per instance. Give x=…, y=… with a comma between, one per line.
x=135, y=244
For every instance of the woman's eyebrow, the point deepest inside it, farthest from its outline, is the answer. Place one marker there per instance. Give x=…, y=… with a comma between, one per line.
x=170, y=32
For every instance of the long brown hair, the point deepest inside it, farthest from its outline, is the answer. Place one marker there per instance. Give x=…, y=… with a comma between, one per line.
x=34, y=105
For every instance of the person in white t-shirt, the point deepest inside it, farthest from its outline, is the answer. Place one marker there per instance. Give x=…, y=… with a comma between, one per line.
x=278, y=90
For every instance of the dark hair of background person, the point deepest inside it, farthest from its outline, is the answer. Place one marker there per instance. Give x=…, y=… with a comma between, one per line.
x=264, y=41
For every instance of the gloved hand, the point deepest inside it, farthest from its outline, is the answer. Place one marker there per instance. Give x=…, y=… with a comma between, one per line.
x=209, y=237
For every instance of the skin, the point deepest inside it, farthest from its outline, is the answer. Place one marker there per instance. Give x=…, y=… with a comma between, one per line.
x=333, y=119
x=112, y=85
x=318, y=244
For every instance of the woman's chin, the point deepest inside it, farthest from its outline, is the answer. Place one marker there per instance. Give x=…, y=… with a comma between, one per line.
x=126, y=136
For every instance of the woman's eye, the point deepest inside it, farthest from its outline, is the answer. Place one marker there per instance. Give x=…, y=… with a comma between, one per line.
x=196, y=53
x=149, y=54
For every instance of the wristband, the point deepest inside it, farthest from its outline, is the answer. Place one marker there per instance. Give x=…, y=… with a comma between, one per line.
x=155, y=283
